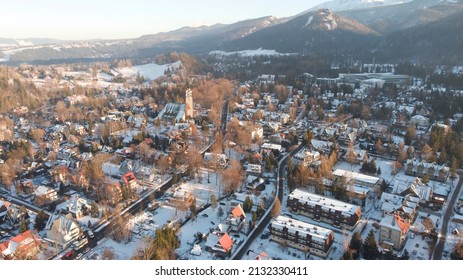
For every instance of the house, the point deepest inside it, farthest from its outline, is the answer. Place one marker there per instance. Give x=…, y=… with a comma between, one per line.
x=237, y=218
x=255, y=183
x=220, y=245
x=23, y=246
x=271, y=127
x=63, y=229
x=254, y=169
x=356, y=156
x=404, y=206
x=216, y=160
x=11, y=213
x=357, y=178
x=306, y=158
x=267, y=148
x=44, y=195
x=306, y=237
x=173, y=112
x=77, y=206
x=320, y=208
x=130, y=181
x=416, y=188
x=419, y=120
x=393, y=232
x=257, y=132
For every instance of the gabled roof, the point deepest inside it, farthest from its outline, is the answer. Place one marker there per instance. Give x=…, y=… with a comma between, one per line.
x=395, y=222
x=23, y=236
x=226, y=242
x=403, y=225
x=238, y=211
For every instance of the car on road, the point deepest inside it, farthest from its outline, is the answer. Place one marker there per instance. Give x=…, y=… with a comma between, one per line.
x=90, y=234
x=205, y=215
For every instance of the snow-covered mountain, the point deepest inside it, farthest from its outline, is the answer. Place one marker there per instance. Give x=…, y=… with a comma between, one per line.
x=346, y=5
x=387, y=19
x=7, y=42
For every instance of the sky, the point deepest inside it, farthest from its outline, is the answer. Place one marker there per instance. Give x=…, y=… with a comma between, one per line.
x=117, y=19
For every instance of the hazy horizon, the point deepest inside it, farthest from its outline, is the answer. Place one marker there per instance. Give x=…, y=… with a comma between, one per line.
x=88, y=20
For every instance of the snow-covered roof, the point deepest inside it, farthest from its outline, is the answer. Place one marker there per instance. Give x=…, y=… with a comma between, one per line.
x=358, y=177
x=326, y=203
x=395, y=222
x=42, y=190
x=318, y=233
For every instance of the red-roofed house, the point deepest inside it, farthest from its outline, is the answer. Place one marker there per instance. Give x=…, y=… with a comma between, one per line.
x=393, y=231
x=23, y=246
x=226, y=242
x=237, y=218
x=219, y=244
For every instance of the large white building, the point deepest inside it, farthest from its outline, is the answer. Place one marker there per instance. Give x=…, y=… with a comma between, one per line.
x=320, y=208
x=302, y=236
x=358, y=178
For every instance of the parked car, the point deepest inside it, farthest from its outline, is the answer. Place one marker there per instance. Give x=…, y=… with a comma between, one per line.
x=90, y=234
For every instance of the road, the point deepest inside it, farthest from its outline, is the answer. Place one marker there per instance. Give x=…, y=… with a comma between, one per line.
x=438, y=251
x=267, y=217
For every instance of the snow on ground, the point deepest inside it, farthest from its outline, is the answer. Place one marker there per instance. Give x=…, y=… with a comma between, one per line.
x=84, y=221
x=206, y=222
x=274, y=250
x=453, y=238
x=250, y=53
x=142, y=225
x=149, y=71
x=122, y=250
x=201, y=188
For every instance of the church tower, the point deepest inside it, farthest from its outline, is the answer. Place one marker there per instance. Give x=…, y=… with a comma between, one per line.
x=189, y=106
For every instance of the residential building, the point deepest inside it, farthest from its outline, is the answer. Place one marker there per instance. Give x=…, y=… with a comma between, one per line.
x=320, y=208
x=357, y=178
x=173, y=112
x=307, y=158
x=356, y=156
x=219, y=244
x=237, y=218
x=419, y=120
x=215, y=160
x=22, y=246
x=254, y=169
x=393, y=231
x=63, y=229
x=303, y=236
x=404, y=206
x=434, y=171
x=44, y=195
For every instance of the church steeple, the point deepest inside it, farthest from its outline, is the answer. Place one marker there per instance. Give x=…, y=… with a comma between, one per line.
x=189, y=110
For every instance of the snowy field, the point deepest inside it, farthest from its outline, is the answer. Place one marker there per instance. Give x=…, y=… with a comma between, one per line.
x=250, y=53
x=200, y=187
x=149, y=71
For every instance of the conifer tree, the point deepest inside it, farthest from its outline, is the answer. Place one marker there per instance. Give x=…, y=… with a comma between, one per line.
x=370, y=248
